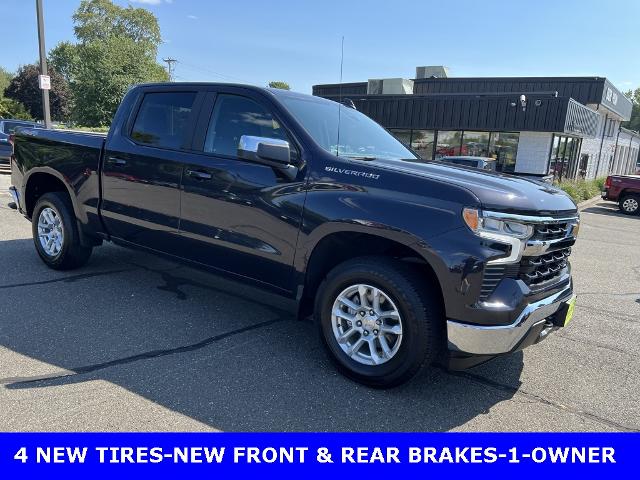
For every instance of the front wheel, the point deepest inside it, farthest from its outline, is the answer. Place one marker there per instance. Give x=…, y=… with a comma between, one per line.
x=630, y=204
x=380, y=321
x=55, y=233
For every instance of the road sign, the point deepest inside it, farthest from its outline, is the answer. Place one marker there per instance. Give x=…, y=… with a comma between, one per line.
x=45, y=82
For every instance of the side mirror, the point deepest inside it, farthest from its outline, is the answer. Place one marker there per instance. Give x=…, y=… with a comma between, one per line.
x=271, y=151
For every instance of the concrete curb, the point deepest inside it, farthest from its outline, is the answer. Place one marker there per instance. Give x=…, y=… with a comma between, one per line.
x=588, y=203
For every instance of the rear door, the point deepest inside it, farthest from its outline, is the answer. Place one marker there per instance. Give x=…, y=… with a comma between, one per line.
x=240, y=216
x=143, y=166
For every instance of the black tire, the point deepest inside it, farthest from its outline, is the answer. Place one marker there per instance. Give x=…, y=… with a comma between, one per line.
x=72, y=254
x=630, y=204
x=419, y=305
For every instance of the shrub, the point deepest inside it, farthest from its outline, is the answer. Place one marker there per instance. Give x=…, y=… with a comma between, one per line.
x=581, y=190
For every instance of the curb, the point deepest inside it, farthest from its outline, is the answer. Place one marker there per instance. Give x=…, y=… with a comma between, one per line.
x=587, y=203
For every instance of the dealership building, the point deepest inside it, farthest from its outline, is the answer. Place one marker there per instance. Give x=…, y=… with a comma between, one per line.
x=566, y=127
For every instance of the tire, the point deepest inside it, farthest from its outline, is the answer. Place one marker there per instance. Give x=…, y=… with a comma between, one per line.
x=630, y=204
x=65, y=251
x=421, y=321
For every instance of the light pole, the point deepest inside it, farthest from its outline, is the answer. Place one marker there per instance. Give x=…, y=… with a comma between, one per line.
x=44, y=78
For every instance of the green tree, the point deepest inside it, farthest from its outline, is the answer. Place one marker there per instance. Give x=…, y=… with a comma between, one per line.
x=634, y=122
x=5, y=79
x=116, y=48
x=280, y=85
x=24, y=88
x=10, y=108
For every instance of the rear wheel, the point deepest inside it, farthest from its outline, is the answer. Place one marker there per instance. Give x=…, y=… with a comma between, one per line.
x=630, y=204
x=379, y=320
x=55, y=233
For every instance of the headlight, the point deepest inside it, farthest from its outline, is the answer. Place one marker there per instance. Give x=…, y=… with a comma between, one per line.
x=482, y=222
x=501, y=230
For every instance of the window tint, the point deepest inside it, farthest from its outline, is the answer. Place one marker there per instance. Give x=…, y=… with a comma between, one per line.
x=234, y=116
x=163, y=118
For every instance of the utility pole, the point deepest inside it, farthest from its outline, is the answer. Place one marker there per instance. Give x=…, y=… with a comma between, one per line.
x=170, y=61
x=45, y=82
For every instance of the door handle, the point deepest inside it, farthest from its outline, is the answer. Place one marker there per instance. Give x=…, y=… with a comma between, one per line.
x=199, y=174
x=116, y=161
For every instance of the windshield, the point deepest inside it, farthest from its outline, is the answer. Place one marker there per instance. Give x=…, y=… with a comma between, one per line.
x=357, y=136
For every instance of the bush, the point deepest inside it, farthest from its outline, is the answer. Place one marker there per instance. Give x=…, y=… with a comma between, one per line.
x=581, y=190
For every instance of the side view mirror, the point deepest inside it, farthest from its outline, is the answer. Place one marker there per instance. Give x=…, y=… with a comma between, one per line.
x=271, y=151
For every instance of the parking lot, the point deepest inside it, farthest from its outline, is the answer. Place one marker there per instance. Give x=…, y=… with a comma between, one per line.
x=134, y=342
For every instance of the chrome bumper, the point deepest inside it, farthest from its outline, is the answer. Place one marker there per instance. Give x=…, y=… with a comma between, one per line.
x=494, y=340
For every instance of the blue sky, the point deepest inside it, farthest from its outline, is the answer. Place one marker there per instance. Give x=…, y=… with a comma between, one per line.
x=299, y=41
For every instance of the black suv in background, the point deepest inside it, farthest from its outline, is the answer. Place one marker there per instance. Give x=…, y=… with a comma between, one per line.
x=402, y=261
x=7, y=128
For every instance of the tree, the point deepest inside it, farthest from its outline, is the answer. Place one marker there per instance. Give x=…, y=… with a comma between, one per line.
x=24, y=88
x=5, y=79
x=10, y=108
x=280, y=85
x=634, y=122
x=116, y=48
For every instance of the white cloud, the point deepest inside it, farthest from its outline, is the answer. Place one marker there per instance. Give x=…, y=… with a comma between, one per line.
x=192, y=17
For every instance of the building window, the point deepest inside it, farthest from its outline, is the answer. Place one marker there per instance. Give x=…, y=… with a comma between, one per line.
x=563, y=161
x=403, y=136
x=422, y=143
x=475, y=144
x=449, y=143
x=503, y=147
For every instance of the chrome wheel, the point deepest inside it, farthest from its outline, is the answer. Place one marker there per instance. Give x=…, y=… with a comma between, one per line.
x=50, y=231
x=366, y=324
x=630, y=205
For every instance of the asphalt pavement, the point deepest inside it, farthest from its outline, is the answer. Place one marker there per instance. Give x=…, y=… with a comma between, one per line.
x=135, y=342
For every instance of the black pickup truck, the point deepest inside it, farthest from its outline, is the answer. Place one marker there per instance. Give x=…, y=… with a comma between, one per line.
x=402, y=261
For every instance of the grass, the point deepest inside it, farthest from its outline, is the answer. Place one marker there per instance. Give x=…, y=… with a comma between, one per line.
x=580, y=190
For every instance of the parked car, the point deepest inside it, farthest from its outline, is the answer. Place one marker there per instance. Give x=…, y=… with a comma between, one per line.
x=483, y=163
x=402, y=262
x=624, y=189
x=7, y=128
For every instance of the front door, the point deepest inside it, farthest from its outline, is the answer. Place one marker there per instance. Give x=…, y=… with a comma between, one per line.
x=240, y=216
x=143, y=168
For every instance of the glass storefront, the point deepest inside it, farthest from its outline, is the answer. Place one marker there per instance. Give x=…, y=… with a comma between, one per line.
x=422, y=142
x=504, y=147
x=475, y=144
x=449, y=143
x=403, y=135
x=433, y=145
x=563, y=161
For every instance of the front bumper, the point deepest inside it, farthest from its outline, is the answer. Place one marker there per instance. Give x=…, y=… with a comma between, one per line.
x=499, y=339
x=16, y=197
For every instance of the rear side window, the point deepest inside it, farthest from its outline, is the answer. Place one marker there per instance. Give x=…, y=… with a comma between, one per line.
x=234, y=116
x=163, y=118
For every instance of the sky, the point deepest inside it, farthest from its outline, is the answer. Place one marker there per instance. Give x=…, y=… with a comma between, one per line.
x=300, y=41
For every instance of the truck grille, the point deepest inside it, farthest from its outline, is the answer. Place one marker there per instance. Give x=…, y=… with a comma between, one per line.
x=551, y=231
x=535, y=271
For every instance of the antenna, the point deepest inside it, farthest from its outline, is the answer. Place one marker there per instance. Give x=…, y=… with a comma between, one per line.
x=170, y=61
x=340, y=95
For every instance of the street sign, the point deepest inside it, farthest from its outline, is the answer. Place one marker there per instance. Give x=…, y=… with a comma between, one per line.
x=45, y=82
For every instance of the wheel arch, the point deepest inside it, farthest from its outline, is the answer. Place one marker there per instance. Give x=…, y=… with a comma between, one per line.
x=335, y=246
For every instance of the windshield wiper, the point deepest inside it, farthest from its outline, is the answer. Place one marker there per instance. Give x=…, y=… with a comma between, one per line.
x=360, y=157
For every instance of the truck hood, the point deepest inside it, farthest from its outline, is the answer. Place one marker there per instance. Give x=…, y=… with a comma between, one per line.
x=495, y=191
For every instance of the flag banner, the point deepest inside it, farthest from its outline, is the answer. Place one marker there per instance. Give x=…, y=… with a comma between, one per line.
x=315, y=454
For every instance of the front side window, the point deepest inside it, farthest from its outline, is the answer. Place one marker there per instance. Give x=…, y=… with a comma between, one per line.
x=162, y=119
x=234, y=116
x=343, y=131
